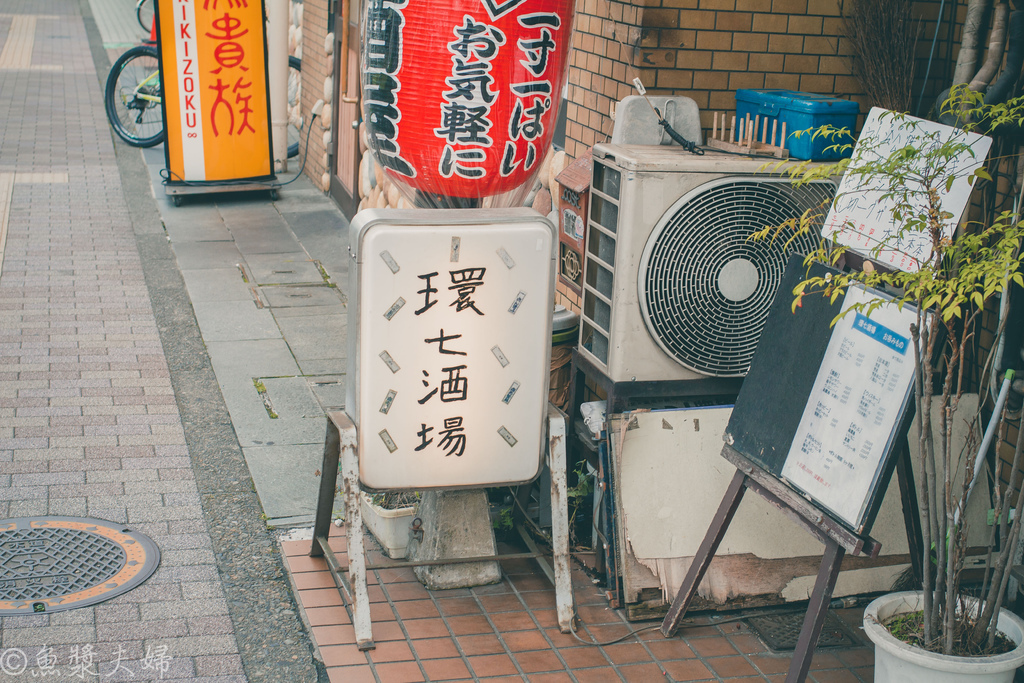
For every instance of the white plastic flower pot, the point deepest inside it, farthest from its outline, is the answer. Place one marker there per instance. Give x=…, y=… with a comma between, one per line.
x=897, y=662
x=389, y=527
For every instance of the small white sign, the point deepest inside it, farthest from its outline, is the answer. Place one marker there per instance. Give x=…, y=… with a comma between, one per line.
x=452, y=385
x=854, y=407
x=862, y=218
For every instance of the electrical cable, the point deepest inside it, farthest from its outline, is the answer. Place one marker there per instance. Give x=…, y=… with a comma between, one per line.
x=305, y=154
x=604, y=643
x=167, y=175
x=1004, y=305
x=838, y=603
x=740, y=154
x=688, y=145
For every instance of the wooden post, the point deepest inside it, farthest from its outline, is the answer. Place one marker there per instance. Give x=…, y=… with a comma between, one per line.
x=817, y=609
x=354, y=533
x=560, y=518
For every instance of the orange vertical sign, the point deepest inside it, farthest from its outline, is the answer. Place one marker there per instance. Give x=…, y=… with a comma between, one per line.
x=214, y=73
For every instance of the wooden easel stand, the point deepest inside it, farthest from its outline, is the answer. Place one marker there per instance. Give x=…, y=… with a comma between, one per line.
x=838, y=541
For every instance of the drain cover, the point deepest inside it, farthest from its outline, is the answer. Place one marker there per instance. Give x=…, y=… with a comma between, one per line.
x=780, y=632
x=51, y=564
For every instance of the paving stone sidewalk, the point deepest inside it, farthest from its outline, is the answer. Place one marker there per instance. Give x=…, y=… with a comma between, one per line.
x=108, y=405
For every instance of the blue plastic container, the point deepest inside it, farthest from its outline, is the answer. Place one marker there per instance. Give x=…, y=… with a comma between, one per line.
x=801, y=111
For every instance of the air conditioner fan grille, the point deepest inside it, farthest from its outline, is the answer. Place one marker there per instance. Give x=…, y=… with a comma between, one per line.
x=706, y=287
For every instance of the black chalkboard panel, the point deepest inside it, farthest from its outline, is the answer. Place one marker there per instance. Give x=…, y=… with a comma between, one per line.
x=782, y=372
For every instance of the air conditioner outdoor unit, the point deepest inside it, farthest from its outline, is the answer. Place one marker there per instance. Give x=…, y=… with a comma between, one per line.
x=673, y=287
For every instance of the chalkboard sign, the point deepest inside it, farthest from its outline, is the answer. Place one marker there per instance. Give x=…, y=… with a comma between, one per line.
x=822, y=404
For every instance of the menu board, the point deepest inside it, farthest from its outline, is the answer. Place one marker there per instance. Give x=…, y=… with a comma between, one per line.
x=847, y=425
x=827, y=396
x=862, y=215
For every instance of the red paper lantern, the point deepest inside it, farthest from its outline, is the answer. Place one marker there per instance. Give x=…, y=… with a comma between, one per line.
x=460, y=97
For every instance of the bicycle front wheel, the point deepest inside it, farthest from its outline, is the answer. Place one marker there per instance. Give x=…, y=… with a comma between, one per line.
x=144, y=14
x=132, y=97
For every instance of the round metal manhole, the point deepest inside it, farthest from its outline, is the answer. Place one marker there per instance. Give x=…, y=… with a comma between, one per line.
x=51, y=564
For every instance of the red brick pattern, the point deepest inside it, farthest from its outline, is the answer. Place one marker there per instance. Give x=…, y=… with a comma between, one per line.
x=706, y=50
x=314, y=72
x=509, y=631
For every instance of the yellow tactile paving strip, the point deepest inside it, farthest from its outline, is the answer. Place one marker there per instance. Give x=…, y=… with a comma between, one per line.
x=21, y=38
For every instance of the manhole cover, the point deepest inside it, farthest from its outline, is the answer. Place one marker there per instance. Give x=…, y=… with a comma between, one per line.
x=50, y=564
x=780, y=632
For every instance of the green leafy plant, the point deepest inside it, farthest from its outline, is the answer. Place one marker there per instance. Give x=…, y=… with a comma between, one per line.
x=959, y=280
x=503, y=520
x=578, y=494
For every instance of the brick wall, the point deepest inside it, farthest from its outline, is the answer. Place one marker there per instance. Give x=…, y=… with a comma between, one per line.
x=601, y=69
x=314, y=72
x=707, y=49
x=566, y=296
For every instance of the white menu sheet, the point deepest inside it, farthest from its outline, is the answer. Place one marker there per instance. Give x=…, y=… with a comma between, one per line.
x=862, y=217
x=854, y=408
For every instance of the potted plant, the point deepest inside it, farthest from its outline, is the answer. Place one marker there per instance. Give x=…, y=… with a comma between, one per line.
x=388, y=516
x=951, y=624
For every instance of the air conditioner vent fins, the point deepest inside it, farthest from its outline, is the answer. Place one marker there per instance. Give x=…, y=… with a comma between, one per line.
x=705, y=287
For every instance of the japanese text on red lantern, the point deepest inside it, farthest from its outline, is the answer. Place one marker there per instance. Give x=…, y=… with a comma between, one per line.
x=382, y=59
x=466, y=109
x=533, y=97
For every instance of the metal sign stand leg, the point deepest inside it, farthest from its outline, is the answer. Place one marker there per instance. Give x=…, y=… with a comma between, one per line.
x=706, y=551
x=560, y=518
x=340, y=443
x=817, y=609
x=340, y=450
x=828, y=572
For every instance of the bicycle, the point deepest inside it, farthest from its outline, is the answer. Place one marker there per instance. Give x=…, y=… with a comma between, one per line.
x=133, y=96
x=144, y=14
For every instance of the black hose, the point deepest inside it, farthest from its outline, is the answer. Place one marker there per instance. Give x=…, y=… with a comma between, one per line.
x=931, y=56
x=688, y=145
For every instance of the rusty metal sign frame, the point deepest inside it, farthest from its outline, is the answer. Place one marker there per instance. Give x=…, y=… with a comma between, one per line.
x=340, y=451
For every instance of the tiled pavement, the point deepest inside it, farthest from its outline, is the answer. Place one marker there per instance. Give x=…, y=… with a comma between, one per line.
x=509, y=632
x=117, y=23
x=90, y=426
x=89, y=423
